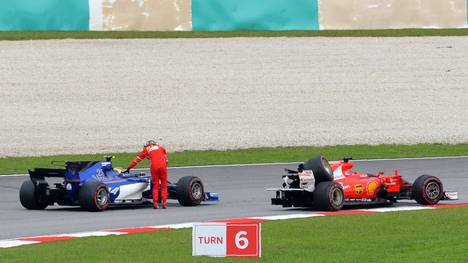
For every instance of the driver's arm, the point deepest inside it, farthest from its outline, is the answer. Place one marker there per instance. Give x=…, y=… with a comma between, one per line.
x=137, y=159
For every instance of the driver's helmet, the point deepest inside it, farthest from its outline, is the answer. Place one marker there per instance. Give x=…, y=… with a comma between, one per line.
x=300, y=168
x=150, y=142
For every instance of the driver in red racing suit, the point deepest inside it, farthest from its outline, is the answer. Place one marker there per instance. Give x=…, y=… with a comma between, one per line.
x=156, y=154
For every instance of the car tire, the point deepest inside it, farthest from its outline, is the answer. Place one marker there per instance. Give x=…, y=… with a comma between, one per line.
x=93, y=196
x=329, y=196
x=190, y=191
x=427, y=190
x=321, y=169
x=30, y=196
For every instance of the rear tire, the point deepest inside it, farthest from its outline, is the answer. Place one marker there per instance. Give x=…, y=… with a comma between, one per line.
x=190, y=191
x=93, y=196
x=427, y=190
x=30, y=196
x=321, y=168
x=329, y=196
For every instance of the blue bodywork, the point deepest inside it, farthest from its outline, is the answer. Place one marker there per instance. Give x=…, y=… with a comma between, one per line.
x=105, y=173
x=123, y=188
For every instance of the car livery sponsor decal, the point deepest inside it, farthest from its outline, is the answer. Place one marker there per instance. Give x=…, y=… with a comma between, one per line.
x=114, y=192
x=362, y=200
x=358, y=189
x=338, y=173
x=99, y=175
x=371, y=186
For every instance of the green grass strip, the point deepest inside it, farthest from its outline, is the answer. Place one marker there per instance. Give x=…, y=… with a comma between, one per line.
x=412, y=236
x=12, y=165
x=38, y=35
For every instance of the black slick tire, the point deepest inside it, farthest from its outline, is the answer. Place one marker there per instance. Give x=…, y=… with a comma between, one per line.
x=190, y=191
x=427, y=190
x=93, y=196
x=329, y=196
x=30, y=196
x=321, y=169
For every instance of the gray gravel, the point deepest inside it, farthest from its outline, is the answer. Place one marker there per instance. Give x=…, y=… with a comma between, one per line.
x=81, y=96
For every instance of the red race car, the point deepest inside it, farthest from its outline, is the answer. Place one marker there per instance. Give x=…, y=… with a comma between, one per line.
x=328, y=187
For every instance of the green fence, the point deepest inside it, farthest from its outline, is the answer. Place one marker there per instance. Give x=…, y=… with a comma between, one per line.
x=225, y=15
x=19, y=15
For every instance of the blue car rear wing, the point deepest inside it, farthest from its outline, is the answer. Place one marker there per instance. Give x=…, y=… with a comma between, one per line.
x=71, y=173
x=41, y=173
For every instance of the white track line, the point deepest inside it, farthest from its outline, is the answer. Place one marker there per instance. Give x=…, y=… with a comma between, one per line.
x=285, y=163
x=285, y=217
x=18, y=242
x=90, y=234
x=15, y=243
x=402, y=208
x=412, y=158
x=175, y=226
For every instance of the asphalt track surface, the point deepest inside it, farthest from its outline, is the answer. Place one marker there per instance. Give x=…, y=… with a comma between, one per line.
x=242, y=190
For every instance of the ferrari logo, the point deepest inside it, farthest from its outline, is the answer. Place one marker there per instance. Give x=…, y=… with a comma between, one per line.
x=358, y=189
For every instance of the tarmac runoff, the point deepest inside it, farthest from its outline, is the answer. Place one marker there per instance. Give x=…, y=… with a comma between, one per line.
x=236, y=185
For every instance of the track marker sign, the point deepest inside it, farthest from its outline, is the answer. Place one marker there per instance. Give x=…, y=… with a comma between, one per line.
x=226, y=239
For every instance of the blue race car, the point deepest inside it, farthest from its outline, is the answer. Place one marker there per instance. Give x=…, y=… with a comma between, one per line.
x=96, y=185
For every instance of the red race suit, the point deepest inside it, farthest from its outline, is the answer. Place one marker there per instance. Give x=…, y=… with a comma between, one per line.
x=157, y=156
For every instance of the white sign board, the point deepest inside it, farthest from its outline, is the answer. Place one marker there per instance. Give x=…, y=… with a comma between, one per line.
x=209, y=239
x=226, y=239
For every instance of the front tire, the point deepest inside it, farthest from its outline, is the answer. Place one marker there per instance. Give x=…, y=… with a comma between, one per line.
x=94, y=196
x=329, y=196
x=30, y=196
x=321, y=169
x=427, y=190
x=190, y=191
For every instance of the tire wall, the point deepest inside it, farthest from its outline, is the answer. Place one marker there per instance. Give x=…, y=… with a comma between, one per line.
x=225, y=15
x=376, y=14
x=18, y=15
x=156, y=15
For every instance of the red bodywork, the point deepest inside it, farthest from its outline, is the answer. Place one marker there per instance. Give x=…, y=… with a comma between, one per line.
x=329, y=186
x=369, y=187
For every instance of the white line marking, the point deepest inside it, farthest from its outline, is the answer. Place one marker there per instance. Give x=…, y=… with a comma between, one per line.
x=91, y=234
x=13, y=175
x=15, y=243
x=175, y=226
x=283, y=217
x=412, y=158
x=285, y=163
x=402, y=208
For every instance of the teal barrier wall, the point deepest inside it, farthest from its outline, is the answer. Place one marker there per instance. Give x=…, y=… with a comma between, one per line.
x=223, y=15
x=17, y=15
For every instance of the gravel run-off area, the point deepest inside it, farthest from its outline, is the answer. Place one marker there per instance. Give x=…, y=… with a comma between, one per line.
x=87, y=96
